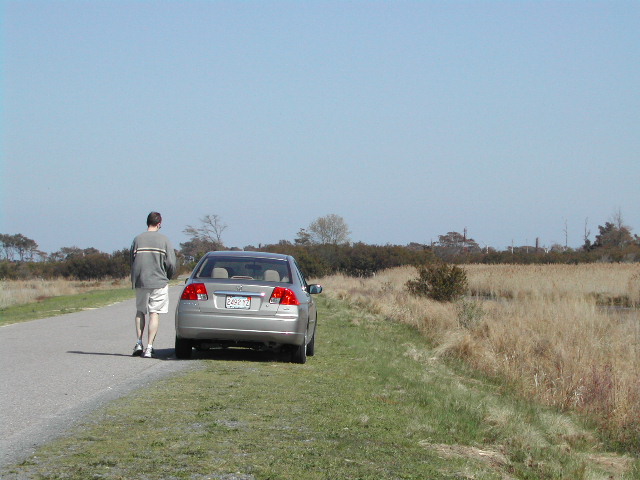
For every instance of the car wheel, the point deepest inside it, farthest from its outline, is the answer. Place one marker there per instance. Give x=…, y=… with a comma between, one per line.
x=311, y=347
x=183, y=348
x=300, y=353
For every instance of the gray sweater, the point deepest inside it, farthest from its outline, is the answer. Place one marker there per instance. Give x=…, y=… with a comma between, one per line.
x=153, y=260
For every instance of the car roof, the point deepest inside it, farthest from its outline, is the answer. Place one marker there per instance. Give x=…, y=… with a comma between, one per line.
x=238, y=253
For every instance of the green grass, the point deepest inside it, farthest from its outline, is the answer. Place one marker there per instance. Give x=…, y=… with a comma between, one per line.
x=372, y=404
x=60, y=305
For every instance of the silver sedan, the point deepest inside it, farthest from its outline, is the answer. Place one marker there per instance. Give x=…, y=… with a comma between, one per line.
x=247, y=299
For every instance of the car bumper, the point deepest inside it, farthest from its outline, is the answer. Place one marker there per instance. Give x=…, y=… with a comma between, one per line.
x=267, y=330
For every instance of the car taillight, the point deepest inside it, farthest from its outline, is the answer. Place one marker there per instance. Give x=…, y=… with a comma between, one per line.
x=283, y=296
x=195, y=291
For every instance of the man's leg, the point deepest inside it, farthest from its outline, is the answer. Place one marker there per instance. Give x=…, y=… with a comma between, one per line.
x=142, y=306
x=154, y=322
x=140, y=324
x=158, y=303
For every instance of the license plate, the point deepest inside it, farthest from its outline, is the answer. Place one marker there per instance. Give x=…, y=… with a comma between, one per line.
x=238, y=302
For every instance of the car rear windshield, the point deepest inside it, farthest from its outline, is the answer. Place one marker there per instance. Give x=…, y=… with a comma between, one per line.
x=248, y=268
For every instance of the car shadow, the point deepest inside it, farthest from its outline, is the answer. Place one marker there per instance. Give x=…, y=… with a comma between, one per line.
x=240, y=355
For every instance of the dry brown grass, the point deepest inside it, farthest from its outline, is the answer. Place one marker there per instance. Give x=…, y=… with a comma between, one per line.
x=18, y=292
x=542, y=327
x=604, y=282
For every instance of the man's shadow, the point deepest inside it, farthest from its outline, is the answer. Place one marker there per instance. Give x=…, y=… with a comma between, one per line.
x=228, y=354
x=158, y=354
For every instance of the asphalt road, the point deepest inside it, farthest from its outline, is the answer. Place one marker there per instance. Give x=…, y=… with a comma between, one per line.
x=56, y=370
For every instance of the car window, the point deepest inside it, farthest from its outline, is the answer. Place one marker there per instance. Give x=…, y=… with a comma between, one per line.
x=303, y=281
x=264, y=269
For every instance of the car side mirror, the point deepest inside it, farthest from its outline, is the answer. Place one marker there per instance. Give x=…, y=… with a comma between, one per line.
x=315, y=289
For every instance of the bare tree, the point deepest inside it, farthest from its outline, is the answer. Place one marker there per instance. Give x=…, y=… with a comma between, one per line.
x=210, y=230
x=586, y=244
x=618, y=220
x=330, y=229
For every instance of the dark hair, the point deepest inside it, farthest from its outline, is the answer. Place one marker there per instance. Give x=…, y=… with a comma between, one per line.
x=154, y=219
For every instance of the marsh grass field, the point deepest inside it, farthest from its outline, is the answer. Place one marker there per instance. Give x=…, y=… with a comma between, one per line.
x=20, y=292
x=567, y=335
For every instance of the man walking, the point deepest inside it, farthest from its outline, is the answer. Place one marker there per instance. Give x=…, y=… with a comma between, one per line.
x=153, y=263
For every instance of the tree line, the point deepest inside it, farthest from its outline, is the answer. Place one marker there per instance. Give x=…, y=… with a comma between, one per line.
x=69, y=262
x=322, y=248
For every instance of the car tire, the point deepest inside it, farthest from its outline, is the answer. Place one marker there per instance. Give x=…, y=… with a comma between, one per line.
x=300, y=353
x=183, y=348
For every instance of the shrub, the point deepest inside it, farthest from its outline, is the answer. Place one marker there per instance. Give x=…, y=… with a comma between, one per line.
x=441, y=282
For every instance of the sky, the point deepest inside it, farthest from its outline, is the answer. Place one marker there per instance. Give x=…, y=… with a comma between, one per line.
x=514, y=120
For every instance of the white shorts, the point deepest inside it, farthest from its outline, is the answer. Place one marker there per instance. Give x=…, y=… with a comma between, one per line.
x=152, y=300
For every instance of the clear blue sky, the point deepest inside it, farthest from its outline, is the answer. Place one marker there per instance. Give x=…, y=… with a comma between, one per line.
x=407, y=118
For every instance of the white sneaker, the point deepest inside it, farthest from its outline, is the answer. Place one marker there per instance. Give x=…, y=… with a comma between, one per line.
x=147, y=352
